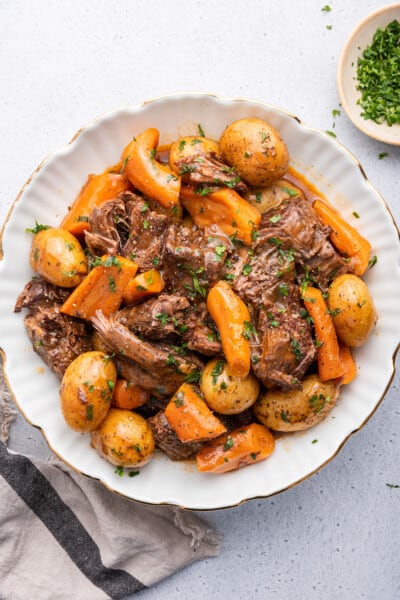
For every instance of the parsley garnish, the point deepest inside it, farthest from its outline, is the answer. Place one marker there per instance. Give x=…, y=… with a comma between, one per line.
x=38, y=227
x=200, y=130
x=229, y=443
x=217, y=370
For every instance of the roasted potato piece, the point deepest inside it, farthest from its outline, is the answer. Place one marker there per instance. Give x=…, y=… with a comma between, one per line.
x=124, y=438
x=86, y=390
x=298, y=409
x=256, y=150
x=265, y=198
x=224, y=392
x=58, y=256
x=352, y=309
x=188, y=146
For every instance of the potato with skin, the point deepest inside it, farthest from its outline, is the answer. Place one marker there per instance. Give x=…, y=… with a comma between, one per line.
x=190, y=146
x=58, y=256
x=124, y=438
x=224, y=392
x=297, y=410
x=256, y=150
x=352, y=310
x=86, y=390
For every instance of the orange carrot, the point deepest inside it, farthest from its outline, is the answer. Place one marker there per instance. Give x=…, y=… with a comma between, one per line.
x=129, y=395
x=190, y=417
x=142, y=286
x=149, y=176
x=241, y=447
x=348, y=363
x=345, y=237
x=101, y=289
x=97, y=190
x=329, y=365
x=234, y=215
x=232, y=318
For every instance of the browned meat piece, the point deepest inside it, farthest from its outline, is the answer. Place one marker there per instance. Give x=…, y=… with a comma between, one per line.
x=284, y=348
x=145, y=242
x=104, y=236
x=38, y=291
x=57, y=338
x=171, y=317
x=296, y=227
x=129, y=370
x=159, y=318
x=232, y=422
x=194, y=259
x=201, y=334
x=168, y=366
x=207, y=168
x=167, y=440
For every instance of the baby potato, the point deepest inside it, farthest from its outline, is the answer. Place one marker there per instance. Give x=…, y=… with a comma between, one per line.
x=352, y=309
x=297, y=409
x=86, y=390
x=224, y=392
x=265, y=198
x=58, y=256
x=124, y=438
x=256, y=150
x=190, y=146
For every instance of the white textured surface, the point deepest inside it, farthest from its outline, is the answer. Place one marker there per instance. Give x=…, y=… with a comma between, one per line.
x=61, y=63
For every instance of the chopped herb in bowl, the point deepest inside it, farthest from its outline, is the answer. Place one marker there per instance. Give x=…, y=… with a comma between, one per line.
x=378, y=76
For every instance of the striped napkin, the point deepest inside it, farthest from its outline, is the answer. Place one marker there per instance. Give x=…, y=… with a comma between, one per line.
x=65, y=536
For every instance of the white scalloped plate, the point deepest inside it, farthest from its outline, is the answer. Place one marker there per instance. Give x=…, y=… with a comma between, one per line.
x=55, y=184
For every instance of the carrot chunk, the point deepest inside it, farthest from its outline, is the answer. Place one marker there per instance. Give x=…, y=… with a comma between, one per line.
x=97, y=190
x=101, y=289
x=129, y=395
x=232, y=318
x=142, y=286
x=190, y=417
x=348, y=363
x=241, y=447
x=148, y=175
x=232, y=213
x=328, y=358
x=345, y=237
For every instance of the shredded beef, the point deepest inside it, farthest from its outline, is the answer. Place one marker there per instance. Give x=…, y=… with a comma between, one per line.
x=145, y=241
x=167, y=365
x=105, y=233
x=207, y=168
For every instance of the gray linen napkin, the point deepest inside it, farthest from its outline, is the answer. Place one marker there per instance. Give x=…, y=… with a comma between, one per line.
x=65, y=536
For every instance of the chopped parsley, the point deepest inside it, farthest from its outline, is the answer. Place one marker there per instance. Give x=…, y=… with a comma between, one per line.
x=276, y=218
x=217, y=370
x=163, y=318
x=89, y=412
x=229, y=443
x=179, y=399
x=200, y=130
x=111, y=284
x=248, y=330
x=296, y=348
x=247, y=269
x=284, y=416
x=372, y=262
x=378, y=76
x=38, y=227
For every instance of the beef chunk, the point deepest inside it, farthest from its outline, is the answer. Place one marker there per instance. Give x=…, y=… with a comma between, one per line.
x=167, y=440
x=284, y=348
x=207, y=168
x=106, y=227
x=167, y=366
x=295, y=226
x=159, y=318
x=57, y=338
x=39, y=292
x=194, y=259
x=146, y=235
x=232, y=422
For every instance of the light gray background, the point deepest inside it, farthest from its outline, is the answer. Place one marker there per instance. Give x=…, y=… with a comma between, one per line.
x=336, y=535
